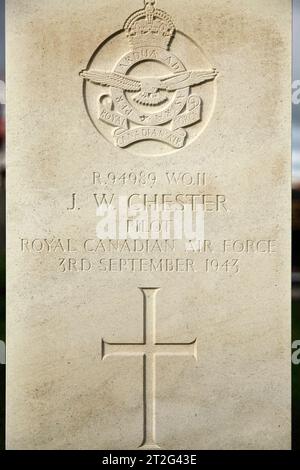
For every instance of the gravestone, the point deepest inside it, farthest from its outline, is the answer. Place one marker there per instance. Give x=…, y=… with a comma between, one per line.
x=148, y=224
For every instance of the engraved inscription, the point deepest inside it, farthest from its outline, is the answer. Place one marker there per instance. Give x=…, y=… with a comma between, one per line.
x=149, y=349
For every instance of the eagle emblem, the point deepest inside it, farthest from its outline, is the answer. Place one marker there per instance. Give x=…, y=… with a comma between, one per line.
x=141, y=107
x=152, y=91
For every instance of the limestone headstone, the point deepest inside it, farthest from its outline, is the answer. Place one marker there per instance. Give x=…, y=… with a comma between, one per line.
x=148, y=224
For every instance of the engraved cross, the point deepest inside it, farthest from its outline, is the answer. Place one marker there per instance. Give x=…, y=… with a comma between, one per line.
x=149, y=349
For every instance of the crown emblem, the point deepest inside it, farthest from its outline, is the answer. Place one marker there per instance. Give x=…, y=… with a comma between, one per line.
x=137, y=106
x=150, y=27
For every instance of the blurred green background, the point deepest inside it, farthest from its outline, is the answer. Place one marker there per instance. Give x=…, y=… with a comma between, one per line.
x=2, y=338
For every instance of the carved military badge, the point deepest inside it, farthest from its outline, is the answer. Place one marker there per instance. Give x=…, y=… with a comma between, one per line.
x=148, y=93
